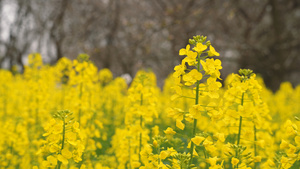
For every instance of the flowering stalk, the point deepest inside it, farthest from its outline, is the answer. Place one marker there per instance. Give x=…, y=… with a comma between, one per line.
x=64, y=148
x=190, y=78
x=158, y=152
x=240, y=130
x=240, y=125
x=129, y=154
x=254, y=128
x=195, y=120
x=63, y=141
x=141, y=125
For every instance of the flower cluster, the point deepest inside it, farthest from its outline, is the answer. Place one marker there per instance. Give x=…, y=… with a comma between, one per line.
x=193, y=122
x=63, y=141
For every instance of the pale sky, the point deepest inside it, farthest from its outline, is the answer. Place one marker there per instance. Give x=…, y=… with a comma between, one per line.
x=7, y=17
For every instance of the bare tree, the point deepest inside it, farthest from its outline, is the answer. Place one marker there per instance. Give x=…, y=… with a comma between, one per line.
x=57, y=32
x=265, y=36
x=19, y=36
x=129, y=35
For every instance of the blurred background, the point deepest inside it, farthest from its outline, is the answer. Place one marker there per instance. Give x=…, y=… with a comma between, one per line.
x=128, y=35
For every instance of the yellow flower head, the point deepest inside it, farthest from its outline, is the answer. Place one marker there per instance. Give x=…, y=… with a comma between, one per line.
x=179, y=124
x=200, y=47
x=197, y=140
x=234, y=161
x=212, y=51
x=192, y=77
x=212, y=161
x=184, y=51
x=191, y=58
x=170, y=131
x=163, y=154
x=212, y=67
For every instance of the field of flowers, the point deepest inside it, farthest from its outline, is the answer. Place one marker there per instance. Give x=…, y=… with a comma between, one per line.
x=72, y=116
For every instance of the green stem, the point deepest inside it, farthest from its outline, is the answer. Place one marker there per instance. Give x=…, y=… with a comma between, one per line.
x=240, y=130
x=64, y=131
x=254, y=127
x=129, y=154
x=63, y=141
x=140, y=148
x=195, y=120
x=158, y=152
x=241, y=118
x=141, y=125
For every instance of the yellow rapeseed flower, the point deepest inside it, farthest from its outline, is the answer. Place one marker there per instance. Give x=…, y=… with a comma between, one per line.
x=169, y=130
x=200, y=47
x=234, y=161
x=212, y=51
x=197, y=140
x=184, y=51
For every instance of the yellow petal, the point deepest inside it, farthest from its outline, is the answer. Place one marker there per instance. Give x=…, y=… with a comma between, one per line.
x=197, y=140
x=170, y=131
x=182, y=52
x=212, y=51
x=195, y=153
x=200, y=47
x=62, y=159
x=179, y=124
x=257, y=159
x=83, y=166
x=52, y=160
x=54, y=148
x=66, y=153
x=234, y=161
x=163, y=155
